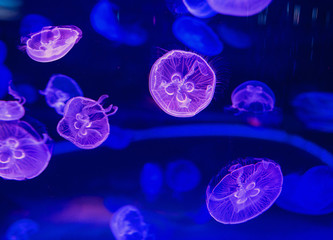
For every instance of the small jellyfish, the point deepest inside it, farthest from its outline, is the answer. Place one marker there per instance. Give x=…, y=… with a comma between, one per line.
x=196, y=35
x=182, y=175
x=12, y=110
x=253, y=96
x=244, y=190
x=33, y=23
x=176, y=7
x=23, y=153
x=22, y=229
x=3, y=52
x=199, y=8
x=182, y=83
x=59, y=90
x=51, y=43
x=240, y=8
x=127, y=223
x=151, y=180
x=85, y=122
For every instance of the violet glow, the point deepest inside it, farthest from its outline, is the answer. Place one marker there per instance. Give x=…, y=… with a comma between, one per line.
x=85, y=122
x=199, y=8
x=244, y=190
x=12, y=110
x=182, y=83
x=51, y=43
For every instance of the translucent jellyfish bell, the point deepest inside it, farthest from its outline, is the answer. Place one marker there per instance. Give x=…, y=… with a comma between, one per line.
x=151, y=180
x=12, y=110
x=253, y=96
x=85, y=122
x=23, y=153
x=182, y=83
x=244, y=190
x=199, y=8
x=51, y=43
x=59, y=90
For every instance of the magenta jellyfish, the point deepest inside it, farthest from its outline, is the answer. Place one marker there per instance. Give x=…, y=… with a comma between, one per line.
x=241, y=8
x=253, y=96
x=85, y=122
x=59, y=90
x=51, y=43
x=182, y=83
x=12, y=110
x=23, y=153
x=243, y=190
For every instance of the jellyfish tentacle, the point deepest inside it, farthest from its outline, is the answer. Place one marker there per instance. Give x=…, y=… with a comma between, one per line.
x=114, y=108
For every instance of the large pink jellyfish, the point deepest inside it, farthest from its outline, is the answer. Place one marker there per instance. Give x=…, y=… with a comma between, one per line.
x=12, y=110
x=244, y=190
x=23, y=153
x=51, y=43
x=182, y=83
x=85, y=122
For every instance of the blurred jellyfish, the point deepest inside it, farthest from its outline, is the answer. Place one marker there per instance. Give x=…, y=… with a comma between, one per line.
x=32, y=23
x=196, y=35
x=182, y=83
x=253, y=96
x=127, y=223
x=176, y=7
x=51, y=43
x=182, y=175
x=244, y=190
x=151, y=180
x=23, y=153
x=104, y=20
x=3, y=52
x=27, y=91
x=5, y=78
x=234, y=37
x=199, y=8
x=241, y=8
x=22, y=229
x=12, y=110
x=315, y=110
x=85, y=122
x=59, y=90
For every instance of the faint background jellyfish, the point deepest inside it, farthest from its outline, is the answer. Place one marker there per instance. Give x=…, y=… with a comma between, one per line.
x=315, y=110
x=32, y=23
x=182, y=83
x=253, y=96
x=51, y=43
x=85, y=122
x=310, y=193
x=12, y=110
x=199, y=8
x=27, y=91
x=182, y=175
x=23, y=153
x=243, y=190
x=22, y=229
x=59, y=90
x=3, y=52
x=128, y=223
x=151, y=180
x=234, y=37
x=196, y=35
x=241, y=8
x=176, y=7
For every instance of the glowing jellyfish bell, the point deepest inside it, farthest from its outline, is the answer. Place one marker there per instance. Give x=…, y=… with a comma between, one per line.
x=23, y=153
x=182, y=83
x=241, y=8
x=253, y=96
x=59, y=90
x=244, y=190
x=85, y=122
x=12, y=110
x=199, y=8
x=51, y=43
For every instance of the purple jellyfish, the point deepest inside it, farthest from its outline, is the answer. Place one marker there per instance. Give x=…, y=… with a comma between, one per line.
x=59, y=90
x=182, y=83
x=23, y=153
x=199, y=8
x=12, y=110
x=241, y=8
x=51, y=43
x=85, y=122
x=244, y=190
x=253, y=96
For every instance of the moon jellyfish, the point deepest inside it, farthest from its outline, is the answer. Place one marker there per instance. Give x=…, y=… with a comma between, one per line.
x=151, y=180
x=127, y=223
x=244, y=190
x=182, y=83
x=196, y=35
x=51, y=43
x=241, y=8
x=3, y=52
x=59, y=90
x=23, y=153
x=182, y=175
x=234, y=37
x=85, y=122
x=33, y=23
x=12, y=110
x=199, y=8
x=253, y=96
x=22, y=229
